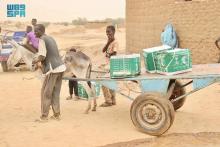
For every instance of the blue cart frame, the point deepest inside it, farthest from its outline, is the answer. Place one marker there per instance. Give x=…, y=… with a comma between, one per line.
x=153, y=111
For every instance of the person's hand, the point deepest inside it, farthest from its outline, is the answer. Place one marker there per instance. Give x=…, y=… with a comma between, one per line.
x=113, y=53
x=34, y=61
x=110, y=40
x=36, y=66
x=107, y=55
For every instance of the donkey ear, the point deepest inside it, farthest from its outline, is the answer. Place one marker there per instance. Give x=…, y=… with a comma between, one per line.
x=68, y=58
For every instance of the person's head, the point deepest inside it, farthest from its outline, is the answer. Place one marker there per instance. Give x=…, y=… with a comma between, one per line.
x=39, y=30
x=28, y=29
x=72, y=49
x=110, y=31
x=34, y=21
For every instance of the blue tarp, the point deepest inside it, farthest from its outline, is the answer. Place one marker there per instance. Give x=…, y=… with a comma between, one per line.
x=169, y=36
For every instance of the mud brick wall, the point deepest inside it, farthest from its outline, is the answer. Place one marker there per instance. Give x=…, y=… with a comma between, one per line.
x=197, y=23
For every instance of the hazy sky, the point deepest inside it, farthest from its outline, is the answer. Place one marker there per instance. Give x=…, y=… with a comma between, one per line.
x=67, y=10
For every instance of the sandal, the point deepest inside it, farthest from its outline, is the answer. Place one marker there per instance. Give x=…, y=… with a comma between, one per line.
x=76, y=98
x=105, y=104
x=42, y=120
x=69, y=98
x=55, y=118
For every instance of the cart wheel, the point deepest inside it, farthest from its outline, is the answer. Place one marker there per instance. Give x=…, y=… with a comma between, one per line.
x=4, y=66
x=176, y=93
x=152, y=114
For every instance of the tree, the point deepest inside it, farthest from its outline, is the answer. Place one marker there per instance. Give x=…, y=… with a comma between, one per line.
x=79, y=21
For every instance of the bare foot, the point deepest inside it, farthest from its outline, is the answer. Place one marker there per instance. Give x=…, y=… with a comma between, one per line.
x=86, y=112
x=76, y=98
x=69, y=98
x=55, y=118
x=42, y=120
x=94, y=108
x=105, y=104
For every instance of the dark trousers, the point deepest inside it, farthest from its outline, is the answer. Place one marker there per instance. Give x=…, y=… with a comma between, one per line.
x=73, y=85
x=50, y=94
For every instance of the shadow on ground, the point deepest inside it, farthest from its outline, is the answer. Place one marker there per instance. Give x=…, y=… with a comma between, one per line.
x=203, y=139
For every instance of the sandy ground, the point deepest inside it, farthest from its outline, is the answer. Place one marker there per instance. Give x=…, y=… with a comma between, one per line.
x=20, y=106
x=204, y=139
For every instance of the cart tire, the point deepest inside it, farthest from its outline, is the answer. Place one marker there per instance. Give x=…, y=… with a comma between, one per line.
x=152, y=113
x=4, y=66
x=176, y=93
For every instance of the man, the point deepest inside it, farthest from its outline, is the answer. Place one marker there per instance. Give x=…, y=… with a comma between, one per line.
x=31, y=41
x=110, y=49
x=34, y=22
x=53, y=68
x=73, y=84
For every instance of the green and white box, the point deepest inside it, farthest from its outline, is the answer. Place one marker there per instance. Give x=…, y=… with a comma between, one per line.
x=174, y=61
x=82, y=92
x=123, y=66
x=149, y=57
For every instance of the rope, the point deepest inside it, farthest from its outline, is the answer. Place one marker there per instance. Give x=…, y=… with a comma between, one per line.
x=126, y=84
x=174, y=54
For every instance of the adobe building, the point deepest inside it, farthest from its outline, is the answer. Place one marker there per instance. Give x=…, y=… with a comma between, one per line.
x=197, y=23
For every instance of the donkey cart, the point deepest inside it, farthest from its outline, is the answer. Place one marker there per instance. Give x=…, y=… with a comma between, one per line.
x=153, y=111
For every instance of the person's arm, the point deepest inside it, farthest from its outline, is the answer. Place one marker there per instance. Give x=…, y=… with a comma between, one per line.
x=42, y=51
x=113, y=49
x=216, y=43
x=26, y=39
x=106, y=46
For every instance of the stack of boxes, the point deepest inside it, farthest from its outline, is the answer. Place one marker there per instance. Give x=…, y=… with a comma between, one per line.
x=173, y=61
x=124, y=66
x=150, y=56
x=162, y=59
x=82, y=92
x=168, y=61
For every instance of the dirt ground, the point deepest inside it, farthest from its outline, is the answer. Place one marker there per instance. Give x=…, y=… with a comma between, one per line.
x=203, y=139
x=20, y=106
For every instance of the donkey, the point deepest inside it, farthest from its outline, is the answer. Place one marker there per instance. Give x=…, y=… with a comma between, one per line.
x=18, y=53
x=80, y=65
